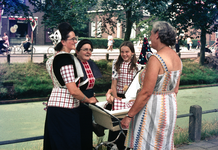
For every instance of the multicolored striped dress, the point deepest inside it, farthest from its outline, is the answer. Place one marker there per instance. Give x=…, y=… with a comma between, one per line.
x=153, y=127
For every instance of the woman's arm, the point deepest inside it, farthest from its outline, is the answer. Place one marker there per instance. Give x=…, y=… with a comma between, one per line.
x=76, y=93
x=114, y=88
x=149, y=82
x=67, y=73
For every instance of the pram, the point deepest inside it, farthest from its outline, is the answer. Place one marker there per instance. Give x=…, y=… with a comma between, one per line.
x=109, y=119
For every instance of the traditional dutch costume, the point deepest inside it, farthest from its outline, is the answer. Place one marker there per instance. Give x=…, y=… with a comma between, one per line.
x=68, y=122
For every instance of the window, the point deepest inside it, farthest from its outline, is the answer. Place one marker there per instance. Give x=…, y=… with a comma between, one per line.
x=94, y=28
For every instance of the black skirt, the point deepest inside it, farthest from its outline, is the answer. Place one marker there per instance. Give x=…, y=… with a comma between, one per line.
x=62, y=129
x=86, y=123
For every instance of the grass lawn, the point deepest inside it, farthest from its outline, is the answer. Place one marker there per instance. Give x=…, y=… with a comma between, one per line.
x=27, y=119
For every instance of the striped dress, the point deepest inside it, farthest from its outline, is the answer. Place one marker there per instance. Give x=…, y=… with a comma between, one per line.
x=153, y=127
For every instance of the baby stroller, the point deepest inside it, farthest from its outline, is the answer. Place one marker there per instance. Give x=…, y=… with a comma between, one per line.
x=109, y=120
x=3, y=47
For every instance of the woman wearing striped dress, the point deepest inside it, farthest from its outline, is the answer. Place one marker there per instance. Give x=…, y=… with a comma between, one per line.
x=151, y=120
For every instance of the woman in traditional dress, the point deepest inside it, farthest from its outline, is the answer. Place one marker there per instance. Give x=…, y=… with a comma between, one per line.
x=151, y=120
x=68, y=123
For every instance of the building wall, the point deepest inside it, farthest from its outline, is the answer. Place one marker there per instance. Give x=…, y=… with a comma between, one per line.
x=118, y=30
x=38, y=34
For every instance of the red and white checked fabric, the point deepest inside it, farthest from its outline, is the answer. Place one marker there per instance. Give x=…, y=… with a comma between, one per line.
x=61, y=97
x=67, y=73
x=124, y=77
x=119, y=104
x=89, y=74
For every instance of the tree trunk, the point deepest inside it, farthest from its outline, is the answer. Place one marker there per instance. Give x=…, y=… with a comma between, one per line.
x=203, y=43
x=128, y=25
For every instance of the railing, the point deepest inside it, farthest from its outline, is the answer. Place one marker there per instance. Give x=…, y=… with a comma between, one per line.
x=195, y=121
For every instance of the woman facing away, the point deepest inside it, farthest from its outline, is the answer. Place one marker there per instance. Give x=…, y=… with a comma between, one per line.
x=151, y=120
x=68, y=122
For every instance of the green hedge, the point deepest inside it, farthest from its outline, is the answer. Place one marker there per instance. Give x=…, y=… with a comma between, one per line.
x=194, y=43
x=102, y=42
x=31, y=80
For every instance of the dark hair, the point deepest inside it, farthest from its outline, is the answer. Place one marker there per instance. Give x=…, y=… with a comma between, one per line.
x=120, y=59
x=166, y=32
x=64, y=28
x=81, y=43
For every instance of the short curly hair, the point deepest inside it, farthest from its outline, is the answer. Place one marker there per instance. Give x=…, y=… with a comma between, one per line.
x=166, y=31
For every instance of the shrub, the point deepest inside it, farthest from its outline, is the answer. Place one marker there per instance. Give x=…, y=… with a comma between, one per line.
x=32, y=80
x=102, y=64
x=102, y=42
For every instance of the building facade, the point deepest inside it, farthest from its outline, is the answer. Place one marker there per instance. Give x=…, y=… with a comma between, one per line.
x=17, y=27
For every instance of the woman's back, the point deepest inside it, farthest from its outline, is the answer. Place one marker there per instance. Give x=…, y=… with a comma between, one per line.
x=171, y=59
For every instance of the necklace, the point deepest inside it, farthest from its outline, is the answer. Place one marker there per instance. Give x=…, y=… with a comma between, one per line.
x=161, y=48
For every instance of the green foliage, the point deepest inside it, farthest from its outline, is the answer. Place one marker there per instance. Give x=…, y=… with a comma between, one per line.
x=194, y=73
x=32, y=80
x=147, y=26
x=102, y=42
x=128, y=12
x=15, y=8
x=104, y=83
x=26, y=80
x=200, y=15
x=102, y=64
x=209, y=129
x=58, y=11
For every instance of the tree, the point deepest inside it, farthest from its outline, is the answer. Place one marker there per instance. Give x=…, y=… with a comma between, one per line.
x=197, y=14
x=72, y=11
x=127, y=12
x=15, y=7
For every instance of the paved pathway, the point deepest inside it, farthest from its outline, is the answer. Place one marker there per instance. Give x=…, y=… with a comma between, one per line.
x=202, y=145
x=97, y=54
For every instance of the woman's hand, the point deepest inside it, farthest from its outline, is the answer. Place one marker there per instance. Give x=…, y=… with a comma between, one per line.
x=91, y=100
x=119, y=98
x=125, y=122
x=110, y=99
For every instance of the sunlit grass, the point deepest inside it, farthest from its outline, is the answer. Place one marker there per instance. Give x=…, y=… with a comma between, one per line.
x=208, y=130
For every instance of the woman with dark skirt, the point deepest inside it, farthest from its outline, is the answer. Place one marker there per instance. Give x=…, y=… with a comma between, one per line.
x=68, y=124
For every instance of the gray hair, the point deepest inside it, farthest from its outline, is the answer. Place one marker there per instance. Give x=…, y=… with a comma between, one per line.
x=166, y=31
